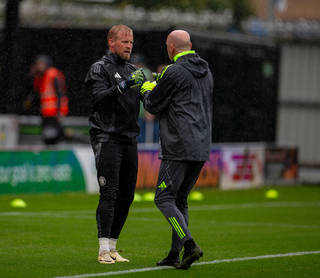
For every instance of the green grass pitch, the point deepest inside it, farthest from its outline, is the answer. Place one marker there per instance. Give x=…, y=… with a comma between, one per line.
x=55, y=236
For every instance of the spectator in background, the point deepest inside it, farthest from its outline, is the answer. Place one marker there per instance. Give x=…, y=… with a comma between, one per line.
x=49, y=82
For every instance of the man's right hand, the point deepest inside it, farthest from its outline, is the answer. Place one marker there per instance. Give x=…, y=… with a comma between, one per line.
x=147, y=86
x=136, y=78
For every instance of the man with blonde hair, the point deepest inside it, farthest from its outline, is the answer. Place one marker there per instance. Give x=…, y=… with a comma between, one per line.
x=114, y=84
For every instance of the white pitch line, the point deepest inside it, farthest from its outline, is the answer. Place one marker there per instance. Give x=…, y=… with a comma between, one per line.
x=256, y=205
x=238, y=223
x=45, y=214
x=58, y=213
x=293, y=254
x=73, y=213
x=238, y=206
x=265, y=224
x=111, y=273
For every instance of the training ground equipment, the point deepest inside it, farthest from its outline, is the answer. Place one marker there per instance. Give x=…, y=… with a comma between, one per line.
x=137, y=197
x=272, y=194
x=149, y=197
x=18, y=203
x=196, y=196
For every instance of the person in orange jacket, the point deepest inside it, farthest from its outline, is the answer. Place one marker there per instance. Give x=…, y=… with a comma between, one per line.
x=50, y=83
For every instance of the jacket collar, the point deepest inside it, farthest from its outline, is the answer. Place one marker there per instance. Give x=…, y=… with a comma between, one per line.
x=114, y=57
x=175, y=58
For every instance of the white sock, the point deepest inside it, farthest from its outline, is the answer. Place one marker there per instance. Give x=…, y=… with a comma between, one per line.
x=103, y=244
x=113, y=243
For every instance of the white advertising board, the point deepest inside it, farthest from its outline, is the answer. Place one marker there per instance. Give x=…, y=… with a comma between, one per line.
x=242, y=167
x=8, y=131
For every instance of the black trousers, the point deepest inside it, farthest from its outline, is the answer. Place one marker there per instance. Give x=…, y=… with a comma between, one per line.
x=175, y=181
x=117, y=166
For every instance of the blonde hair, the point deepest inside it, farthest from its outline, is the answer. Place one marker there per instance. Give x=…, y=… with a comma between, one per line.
x=116, y=29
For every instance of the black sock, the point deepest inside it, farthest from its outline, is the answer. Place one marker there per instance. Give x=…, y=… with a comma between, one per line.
x=173, y=254
x=189, y=244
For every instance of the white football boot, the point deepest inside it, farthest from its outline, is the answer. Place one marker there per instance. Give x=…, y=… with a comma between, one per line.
x=117, y=257
x=105, y=258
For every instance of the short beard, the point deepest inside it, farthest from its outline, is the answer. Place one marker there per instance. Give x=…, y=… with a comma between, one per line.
x=124, y=56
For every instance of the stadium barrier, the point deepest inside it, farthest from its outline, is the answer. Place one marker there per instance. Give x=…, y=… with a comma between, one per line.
x=40, y=171
x=9, y=129
x=231, y=166
x=242, y=166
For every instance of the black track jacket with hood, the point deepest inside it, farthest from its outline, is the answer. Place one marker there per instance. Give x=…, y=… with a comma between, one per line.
x=114, y=116
x=183, y=100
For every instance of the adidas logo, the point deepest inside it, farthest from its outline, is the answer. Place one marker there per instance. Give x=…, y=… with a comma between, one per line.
x=162, y=186
x=117, y=75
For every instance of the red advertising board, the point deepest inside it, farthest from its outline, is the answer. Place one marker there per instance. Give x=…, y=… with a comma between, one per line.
x=149, y=164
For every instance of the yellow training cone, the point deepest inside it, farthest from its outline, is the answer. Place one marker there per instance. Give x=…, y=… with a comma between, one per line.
x=18, y=203
x=149, y=196
x=196, y=196
x=137, y=197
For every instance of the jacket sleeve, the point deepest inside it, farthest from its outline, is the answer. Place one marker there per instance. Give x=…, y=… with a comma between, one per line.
x=58, y=88
x=158, y=99
x=98, y=81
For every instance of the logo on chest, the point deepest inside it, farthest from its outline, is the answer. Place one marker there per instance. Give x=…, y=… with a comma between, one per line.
x=117, y=75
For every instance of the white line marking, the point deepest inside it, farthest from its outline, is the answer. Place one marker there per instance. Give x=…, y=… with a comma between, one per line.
x=256, y=205
x=74, y=213
x=257, y=224
x=59, y=213
x=111, y=273
x=237, y=223
x=46, y=214
x=260, y=257
x=237, y=206
x=148, y=219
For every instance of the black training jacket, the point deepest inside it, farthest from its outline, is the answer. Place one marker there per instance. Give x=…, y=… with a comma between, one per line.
x=114, y=117
x=183, y=99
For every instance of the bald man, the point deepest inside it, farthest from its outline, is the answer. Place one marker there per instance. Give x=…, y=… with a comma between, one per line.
x=183, y=100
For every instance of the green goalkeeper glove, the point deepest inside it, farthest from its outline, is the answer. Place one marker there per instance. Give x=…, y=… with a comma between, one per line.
x=136, y=78
x=147, y=86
